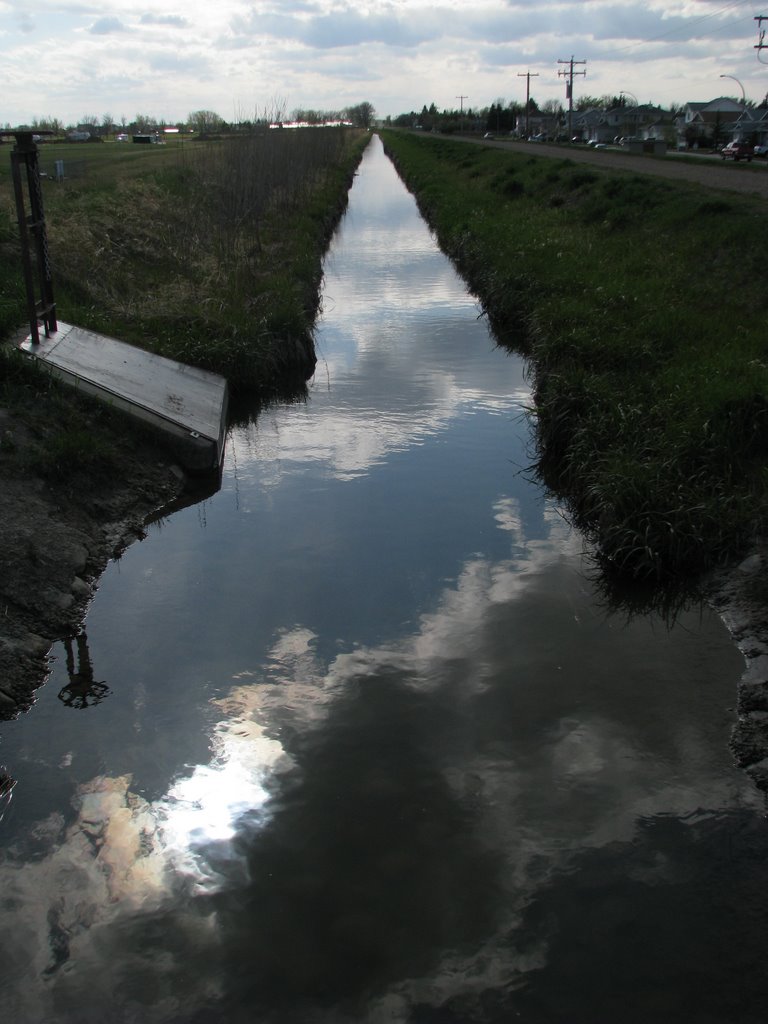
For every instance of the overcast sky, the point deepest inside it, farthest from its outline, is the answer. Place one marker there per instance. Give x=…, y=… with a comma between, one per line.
x=71, y=58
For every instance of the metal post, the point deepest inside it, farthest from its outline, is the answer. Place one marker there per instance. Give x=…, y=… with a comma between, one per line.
x=33, y=237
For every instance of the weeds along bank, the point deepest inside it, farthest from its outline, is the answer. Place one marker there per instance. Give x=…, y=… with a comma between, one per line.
x=642, y=307
x=206, y=252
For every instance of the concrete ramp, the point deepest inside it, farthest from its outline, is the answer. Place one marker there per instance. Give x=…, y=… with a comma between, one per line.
x=186, y=404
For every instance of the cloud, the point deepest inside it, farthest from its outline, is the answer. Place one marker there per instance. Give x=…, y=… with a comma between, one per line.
x=25, y=21
x=106, y=26
x=187, y=63
x=344, y=26
x=170, y=20
x=398, y=54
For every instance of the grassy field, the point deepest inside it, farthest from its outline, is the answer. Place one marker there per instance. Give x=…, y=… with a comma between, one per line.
x=642, y=306
x=207, y=252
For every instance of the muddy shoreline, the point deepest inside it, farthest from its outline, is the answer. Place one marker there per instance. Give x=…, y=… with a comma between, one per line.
x=55, y=542
x=739, y=594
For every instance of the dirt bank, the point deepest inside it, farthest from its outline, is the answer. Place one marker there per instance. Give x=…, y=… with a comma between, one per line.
x=740, y=595
x=59, y=533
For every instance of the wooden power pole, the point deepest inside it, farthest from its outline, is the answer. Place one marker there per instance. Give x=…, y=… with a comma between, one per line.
x=527, y=75
x=569, y=87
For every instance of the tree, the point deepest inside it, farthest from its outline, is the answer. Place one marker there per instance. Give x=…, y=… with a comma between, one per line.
x=587, y=102
x=311, y=116
x=500, y=118
x=206, y=121
x=143, y=122
x=50, y=124
x=361, y=115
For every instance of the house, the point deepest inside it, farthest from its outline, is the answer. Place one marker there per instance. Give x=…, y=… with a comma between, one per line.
x=708, y=125
x=628, y=122
x=752, y=126
x=587, y=124
x=537, y=124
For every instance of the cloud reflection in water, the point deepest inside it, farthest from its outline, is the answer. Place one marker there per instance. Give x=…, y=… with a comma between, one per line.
x=378, y=824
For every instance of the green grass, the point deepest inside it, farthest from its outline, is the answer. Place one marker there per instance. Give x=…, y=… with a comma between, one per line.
x=209, y=253
x=642, y=306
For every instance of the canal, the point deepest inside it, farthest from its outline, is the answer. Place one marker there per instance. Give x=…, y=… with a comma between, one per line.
x=357, y=740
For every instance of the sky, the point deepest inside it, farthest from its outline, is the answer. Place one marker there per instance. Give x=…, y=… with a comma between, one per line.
x=166, y=58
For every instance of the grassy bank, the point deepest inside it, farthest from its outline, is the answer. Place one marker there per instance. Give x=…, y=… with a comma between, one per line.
x=642, y=306
x=207, y=252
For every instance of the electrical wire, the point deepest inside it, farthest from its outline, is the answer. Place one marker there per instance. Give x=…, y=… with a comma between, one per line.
x=686, y=27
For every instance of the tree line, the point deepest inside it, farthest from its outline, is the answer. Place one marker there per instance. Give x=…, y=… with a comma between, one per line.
x=501, y=116
x=206, y=122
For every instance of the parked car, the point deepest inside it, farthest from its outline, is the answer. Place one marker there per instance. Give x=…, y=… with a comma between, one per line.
x=737, y=151
x=489, y=135
x=760, y=150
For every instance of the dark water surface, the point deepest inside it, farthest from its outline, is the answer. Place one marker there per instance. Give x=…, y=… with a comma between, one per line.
x=361, y=743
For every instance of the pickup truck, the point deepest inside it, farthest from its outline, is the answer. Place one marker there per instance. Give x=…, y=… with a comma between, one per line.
x=737, y=151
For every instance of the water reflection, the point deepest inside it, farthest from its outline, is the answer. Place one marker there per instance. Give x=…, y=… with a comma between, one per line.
x=7, y=782
x=373, y=746
x=351, y=440
x=373, y=833
x=82, y=690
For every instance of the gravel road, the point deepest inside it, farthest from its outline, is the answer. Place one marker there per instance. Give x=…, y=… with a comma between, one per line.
x=751, y=179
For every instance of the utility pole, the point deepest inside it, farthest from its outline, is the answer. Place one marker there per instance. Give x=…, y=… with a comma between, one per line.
x=527, y=75
x=461, y=111
x=569, y=87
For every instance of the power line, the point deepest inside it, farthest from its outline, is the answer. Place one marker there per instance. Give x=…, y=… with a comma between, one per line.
x=683, y=28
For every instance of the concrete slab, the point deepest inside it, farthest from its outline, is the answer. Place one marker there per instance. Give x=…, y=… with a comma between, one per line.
x=187, y=404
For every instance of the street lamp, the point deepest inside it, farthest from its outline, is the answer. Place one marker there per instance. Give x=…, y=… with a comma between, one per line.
x=734, y=79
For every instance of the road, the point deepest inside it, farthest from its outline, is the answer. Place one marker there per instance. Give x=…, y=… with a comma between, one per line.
x=751, y=179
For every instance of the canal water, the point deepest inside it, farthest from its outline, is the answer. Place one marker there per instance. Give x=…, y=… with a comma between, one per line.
x=356, y=739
